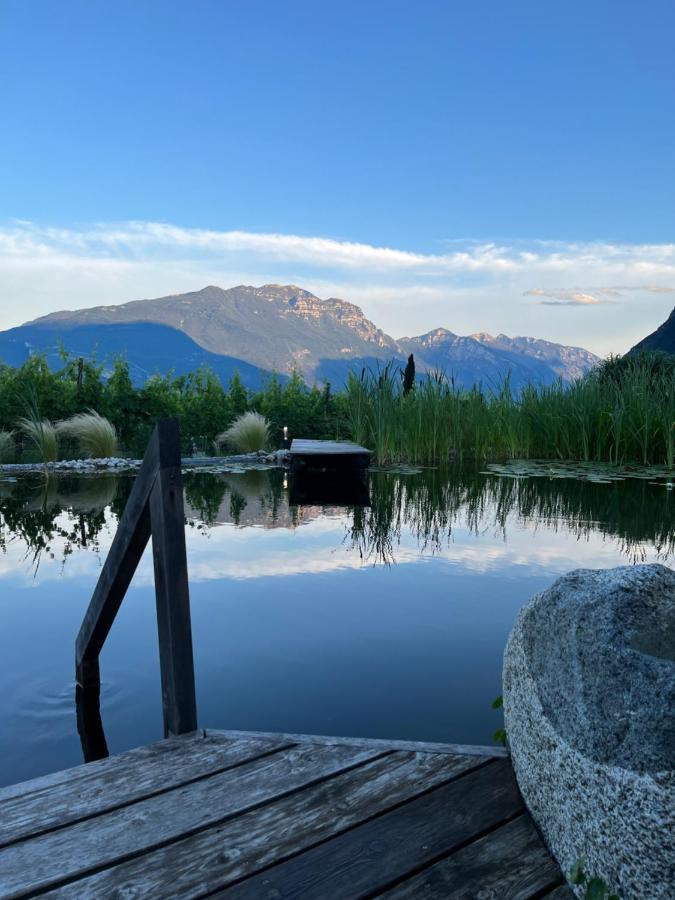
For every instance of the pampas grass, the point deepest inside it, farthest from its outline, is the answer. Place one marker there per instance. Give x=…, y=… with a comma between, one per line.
x=95, y=434
x=6, y=446
x=43, y=434
x=247, y=434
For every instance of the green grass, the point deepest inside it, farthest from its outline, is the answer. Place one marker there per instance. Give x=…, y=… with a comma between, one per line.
x=615, y=414
x=94, y=434
x=247, y=434
x=42, y=434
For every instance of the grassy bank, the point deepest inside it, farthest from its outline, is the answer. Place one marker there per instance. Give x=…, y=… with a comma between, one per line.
x=622, y=412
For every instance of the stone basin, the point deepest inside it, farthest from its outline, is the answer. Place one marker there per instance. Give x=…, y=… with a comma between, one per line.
x=589, y=707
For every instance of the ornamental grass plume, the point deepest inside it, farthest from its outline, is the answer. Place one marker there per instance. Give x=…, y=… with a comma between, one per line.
x=43, y=434
x=95, y=434
x=248, y=433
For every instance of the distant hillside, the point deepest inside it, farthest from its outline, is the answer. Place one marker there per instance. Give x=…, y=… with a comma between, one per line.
x=661, y=339
x=487, y=359
x=281, y=328
x=272, y=327
x=148, y=348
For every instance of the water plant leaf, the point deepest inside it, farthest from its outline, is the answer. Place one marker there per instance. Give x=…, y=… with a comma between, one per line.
x=596, y=889
x=499, y=737
x=577, y=874
x=498, y=702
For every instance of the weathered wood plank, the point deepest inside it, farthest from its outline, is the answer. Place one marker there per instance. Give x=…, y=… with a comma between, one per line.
x=91, y=770
x=132, y=777
x=374, y=743
x=564, y=892
x=370, y=857
x=172, y=595
x=511, y=862
x=245, y=844
x=40, y=862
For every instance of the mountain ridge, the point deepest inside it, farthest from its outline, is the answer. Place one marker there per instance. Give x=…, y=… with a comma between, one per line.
x=663, y=338
x=285, y=327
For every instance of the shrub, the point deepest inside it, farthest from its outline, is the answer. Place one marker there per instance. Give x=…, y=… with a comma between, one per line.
x=95, y=434
x=246, y=434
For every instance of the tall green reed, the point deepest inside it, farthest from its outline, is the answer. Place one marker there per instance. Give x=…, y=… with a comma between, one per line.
x=613, y=415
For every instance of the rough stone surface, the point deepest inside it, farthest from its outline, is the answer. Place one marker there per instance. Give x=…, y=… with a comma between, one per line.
x=589, y=705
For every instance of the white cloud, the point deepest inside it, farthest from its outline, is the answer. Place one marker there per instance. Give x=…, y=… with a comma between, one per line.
x=470, y=286
x=562, y=297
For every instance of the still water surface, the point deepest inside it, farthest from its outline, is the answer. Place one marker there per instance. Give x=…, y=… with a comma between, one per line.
x=385, y=621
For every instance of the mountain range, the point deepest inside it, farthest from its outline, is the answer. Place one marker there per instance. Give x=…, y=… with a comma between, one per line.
x=256, y=330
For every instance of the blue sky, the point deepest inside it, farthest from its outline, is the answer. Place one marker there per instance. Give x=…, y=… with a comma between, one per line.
x=495, y=166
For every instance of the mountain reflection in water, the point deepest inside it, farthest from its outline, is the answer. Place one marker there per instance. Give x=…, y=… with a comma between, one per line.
x=428, y=504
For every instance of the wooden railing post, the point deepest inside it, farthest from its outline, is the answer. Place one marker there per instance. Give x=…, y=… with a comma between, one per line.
x=155, y=506
x=171, y=586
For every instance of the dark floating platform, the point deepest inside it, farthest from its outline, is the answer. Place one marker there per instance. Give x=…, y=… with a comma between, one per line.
x=245, y=815
x=328, y=456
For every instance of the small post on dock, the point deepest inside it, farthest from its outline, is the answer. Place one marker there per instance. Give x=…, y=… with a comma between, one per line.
x=154, y=509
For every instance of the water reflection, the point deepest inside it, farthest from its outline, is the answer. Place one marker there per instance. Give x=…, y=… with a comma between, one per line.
x=32, y=511
x=387, y=620
x=70, y=512
x=638, y=515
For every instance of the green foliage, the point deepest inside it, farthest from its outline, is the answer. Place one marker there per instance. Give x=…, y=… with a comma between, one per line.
x=595, y=888
x=623, y=412
x=499, y=737
x=40, y=432
x=307, y=413
x=618, y=414
x=95, y=435
x=247, y=434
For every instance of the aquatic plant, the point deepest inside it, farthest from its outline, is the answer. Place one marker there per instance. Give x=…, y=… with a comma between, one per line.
x=594, y=888
x=615, y=415
x=95, y=434
x=247, y=434
x=500, y=736
x=7, y=446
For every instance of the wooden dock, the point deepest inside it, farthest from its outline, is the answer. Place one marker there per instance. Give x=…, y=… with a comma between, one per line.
x=328, y=456
x=244, y=815
x=241, y=815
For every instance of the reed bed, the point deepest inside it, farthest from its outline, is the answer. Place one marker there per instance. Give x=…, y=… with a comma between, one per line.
x=616, y=414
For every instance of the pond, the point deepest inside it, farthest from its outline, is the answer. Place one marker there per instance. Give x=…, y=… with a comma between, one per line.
x=383, y=620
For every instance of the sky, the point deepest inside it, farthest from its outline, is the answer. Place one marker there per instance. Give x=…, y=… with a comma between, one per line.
x=478, y=166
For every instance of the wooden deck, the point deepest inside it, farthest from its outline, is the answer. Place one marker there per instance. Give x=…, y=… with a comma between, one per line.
x=328, y=455
x=240, y=815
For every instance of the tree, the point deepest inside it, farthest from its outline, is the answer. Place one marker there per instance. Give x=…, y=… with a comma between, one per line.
x=409, y=376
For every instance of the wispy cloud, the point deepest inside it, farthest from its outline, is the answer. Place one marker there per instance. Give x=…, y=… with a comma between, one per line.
x=467, y=286
x=142, y=239
x=592, y=296
x=562, y=297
